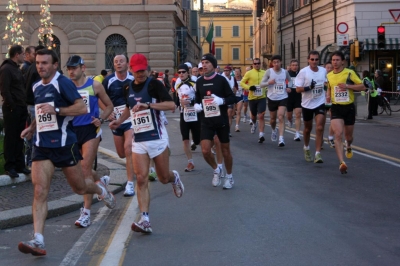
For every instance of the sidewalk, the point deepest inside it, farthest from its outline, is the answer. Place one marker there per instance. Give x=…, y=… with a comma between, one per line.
x=16, y=194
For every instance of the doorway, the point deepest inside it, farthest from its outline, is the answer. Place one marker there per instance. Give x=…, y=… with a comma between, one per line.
x=386, y=65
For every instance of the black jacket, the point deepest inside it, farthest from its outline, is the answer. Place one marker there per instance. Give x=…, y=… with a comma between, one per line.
x=12, y=84
x=31, y=77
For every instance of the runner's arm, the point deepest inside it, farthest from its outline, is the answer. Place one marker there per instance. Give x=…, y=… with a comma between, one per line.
x=104, y=101
x=244, y=80
x=265, y=79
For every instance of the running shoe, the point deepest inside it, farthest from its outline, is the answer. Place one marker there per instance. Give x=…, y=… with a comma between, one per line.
x=307, y=155
x=84, y=219
x=189, y=167
x=253, y=127
x=237, y=128
x=142, y=226
x=250, y=122
x=331, y=143
x=244, y=119
x=230, y=135
x=109, y=199
x=297, y=136
x=213, y=150
x=343, y=168
x=152, y=174
x=274, y=135
x=129, y=190
x=216, y=181
x=193, y=146
x=318, y=158
x=349, y=152
x=261, y=139
x=178, y=185
x=34, y=247
x=289, y=124
x=281, y=143
x=228, y=184
x=105, y=179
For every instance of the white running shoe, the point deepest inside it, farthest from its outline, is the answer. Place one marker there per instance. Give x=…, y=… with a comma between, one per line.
x=244, y=119
x=253, y=127
x=274, y=135
x=216, y=181
x=129, y=190
x=228, y=184
x=143, y=226
x=109, y=199
x=105, y=179
x=289, y=124
x=178, y=185
x=281, y=142
x=84, y=219
x=297, y=136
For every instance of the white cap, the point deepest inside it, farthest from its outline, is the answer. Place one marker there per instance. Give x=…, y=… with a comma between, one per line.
x=200, y=65
x=188, y=64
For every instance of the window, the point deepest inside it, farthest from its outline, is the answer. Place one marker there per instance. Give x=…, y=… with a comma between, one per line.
x=306, y=2
x=218, y=31
x=309, y=44
x=298, y=50
x=56, y=48
x=218, y=53
x=318, y=41
x=235, y=53
x=292, y=55
x=115, y=44
x=251, y=31
x=203, y=31
x=251, y=53
x=296, y=4
x=235, y=31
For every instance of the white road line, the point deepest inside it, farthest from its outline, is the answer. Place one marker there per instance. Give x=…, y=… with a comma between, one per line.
x=76, y=251
x=115, y=252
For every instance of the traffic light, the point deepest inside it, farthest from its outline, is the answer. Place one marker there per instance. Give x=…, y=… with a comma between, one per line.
x=381, y=37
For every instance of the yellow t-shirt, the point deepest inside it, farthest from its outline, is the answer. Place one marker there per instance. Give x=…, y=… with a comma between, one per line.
x=253, y=77
x=99, y=78
x=346, y=76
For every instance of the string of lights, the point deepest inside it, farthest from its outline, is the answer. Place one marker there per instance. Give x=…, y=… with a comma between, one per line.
x=46, y=26
x=13, y=27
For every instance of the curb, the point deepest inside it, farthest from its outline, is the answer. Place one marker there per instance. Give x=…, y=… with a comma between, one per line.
x=5, y=180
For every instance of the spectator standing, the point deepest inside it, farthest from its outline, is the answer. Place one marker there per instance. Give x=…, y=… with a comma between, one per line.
x=166, y=80
x=101, y=77
x=12, y=87
x=29, y=59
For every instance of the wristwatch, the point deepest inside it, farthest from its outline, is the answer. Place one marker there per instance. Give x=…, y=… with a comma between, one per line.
x=57, y=110
x=148, y=105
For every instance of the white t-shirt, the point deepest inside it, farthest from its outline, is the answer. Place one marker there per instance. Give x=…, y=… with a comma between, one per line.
x=231, y=81
x=313, y=98
x=179, y=81
x=277, y=91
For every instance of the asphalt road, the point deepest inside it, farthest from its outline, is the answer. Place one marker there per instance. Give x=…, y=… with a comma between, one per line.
x=281, y=211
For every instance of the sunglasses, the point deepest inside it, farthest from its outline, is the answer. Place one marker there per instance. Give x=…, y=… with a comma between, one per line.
x=314, y=59
x=182, y=72
x=256, y=63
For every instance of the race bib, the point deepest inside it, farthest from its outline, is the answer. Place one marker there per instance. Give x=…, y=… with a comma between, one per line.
x=45, y=122
x=85, y=97
x=317, y=91
x=258, y=91
x=189, y=114
x=279, y=88
x=118, y=112
x=142, y=121
x=239, y=92
x=293, y=82
x=341, y=96
x=210, y=109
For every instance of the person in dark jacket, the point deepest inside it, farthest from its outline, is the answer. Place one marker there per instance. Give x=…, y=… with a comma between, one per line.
x=29, y=59
x=12, y=87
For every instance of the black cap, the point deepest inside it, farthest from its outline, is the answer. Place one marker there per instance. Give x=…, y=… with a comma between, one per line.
x=183, y=66
x=211, y=59
x=75, y=60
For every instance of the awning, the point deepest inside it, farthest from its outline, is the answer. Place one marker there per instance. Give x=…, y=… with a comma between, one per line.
x=391, y=44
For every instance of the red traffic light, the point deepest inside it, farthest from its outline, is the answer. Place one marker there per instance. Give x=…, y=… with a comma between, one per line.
x=381, y=29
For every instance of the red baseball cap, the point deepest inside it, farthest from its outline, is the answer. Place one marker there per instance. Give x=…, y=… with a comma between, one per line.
x=138, y=62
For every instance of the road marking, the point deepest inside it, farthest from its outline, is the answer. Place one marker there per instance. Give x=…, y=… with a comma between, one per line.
x=76, y=251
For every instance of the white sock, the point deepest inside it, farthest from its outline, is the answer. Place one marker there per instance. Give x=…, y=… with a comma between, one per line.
x=129, y=183
x=228, y=176
x=39, y=237
x=86, y=211
x=307, y=148
x=103, y=192
x=190, y=161
x=261, y=134
x=220, y=166
x=317, y=152
x=280, y=137
x=330, y=137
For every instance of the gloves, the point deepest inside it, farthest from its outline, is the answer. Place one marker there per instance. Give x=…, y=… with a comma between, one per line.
x=198, y=107
x=252, y=88
x=217, y=100
x=312, y=85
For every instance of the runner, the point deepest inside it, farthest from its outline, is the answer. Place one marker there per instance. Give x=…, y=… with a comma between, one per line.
x=146, y=98
x=233, y=84
x=213, y=94
x=123, y=134
x=294, y=100
x=87, y=127
x=342, y=82
x=275, y=78
x=328, y=68
x=257, y=99
x=189, y=121
x=56, y=102
x=239, y=98
x=246, y=102
x=310, y=83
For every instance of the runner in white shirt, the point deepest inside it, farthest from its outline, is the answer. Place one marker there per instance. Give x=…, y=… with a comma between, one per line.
x=233, y=84
x=276, y=79
x=310, y=82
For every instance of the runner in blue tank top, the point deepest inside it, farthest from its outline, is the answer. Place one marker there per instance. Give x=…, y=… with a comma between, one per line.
x=87, y=127
x=114, y=85
x=56, y=102
x=146, y=98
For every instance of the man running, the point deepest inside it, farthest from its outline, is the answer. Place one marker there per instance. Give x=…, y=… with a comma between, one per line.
x=342, y=82
x=275, y=79
x=257, y=98
x=87, y=127
x=213, y=94
x=294, y=100
x=123, y=134
x=310, y=83
x=239, y=98
x=233, y=84
x=146, y=98
x=56, y=102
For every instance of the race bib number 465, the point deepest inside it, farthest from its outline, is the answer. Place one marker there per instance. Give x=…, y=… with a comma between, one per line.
x=44, y=121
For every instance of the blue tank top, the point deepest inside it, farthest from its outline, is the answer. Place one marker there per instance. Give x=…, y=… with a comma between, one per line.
x=143, y=96
x=87, y=90
x=61, y=92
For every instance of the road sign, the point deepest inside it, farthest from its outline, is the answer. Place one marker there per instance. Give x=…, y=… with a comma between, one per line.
x=342, y=40
x=342, y=27
x=395, y=14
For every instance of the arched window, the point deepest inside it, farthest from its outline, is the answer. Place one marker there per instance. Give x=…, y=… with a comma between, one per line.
x=115, y=44
x=318, y=41
x=56, y=48
x=292, y=53
x=309, y=45
x=298, y=50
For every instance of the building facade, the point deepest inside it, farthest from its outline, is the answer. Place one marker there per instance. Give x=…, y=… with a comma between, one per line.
x=97, y=30
x=233, y=32
x=326, y=25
